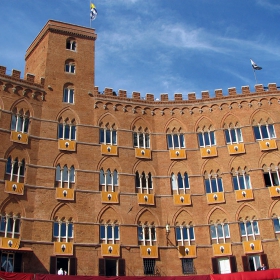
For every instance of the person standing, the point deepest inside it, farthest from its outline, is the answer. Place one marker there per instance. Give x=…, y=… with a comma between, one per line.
x=60, y=272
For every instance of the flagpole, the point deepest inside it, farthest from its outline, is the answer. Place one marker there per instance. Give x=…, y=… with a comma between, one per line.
x=255, y=76
x=89, y=15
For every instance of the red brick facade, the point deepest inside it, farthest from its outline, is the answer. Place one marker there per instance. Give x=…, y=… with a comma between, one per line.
x=53, y=162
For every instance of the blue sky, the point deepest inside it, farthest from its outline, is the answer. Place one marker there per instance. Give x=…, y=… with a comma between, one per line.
x=159, y=46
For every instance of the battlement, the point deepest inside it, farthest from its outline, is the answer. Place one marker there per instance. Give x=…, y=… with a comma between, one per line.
x=15, y=76
x=205, y=95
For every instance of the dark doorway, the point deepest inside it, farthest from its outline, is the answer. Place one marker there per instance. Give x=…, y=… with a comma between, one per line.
x=62, y=263
x=111, y=267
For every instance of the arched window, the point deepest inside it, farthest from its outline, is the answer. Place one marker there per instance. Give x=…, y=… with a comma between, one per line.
x=184, y=234
x=206, y=137
x=241, y=179
x=141, y=139
x=233, y=134
x=68, y=95
x=271, y=175
x=70, y=66
x=249, y=228
x=15, y=168
x=213, y=183
x=108, y=136
x=63, y=230
x=143, y=181
x=179, y=182
x=219, y=232
x=146, y=234
x=109, y=233
x=264, y=130
x=65, y=176
x=71, y=44
x=20, y=121
x=67, y=130
x=108, y=178
x=10, y=225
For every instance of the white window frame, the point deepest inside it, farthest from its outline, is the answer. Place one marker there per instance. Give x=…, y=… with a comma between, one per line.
x=214, y=178
x=71, y=127
x=145, y=140
x=175, y=183
x=20, y=123
x=109, y=179
x=141, y=232
x=251, y=224
x=72, y=45
x=188, y=229
x=203, y=135
x=111, y=227
x=68, y=94
x=103, y=131
x=271, y=134
x=20, y=169
x=225, y=232
x=70, y=67
x=15, y=223
x=69, y=173
x=245, y=178
x=147, y=187
x=66, y=236
x=180, y=138
x=271, y=173
x=238, y=135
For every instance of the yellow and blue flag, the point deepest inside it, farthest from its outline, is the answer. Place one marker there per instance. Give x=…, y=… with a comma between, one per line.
x=93, y=11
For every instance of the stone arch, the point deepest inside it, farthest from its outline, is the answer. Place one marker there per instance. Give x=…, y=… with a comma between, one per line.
x=260, y=116
x=210, y=165
x=203, y=123
x=182, y=217
x=140, y=124
x=109, y=162
x=145, y=216
x=18, y=151
x=108, y=120
x=229, y=118
x=239, y=161
x=269, y=158
x=108, y=215
x=63, y=211
x=22, y=104
x=12, y=205
x=143, y=166
x=246, y=212
x=68, y=113
x=66, y=159
x=174, y=125
x=217, y=215
x=177, y=166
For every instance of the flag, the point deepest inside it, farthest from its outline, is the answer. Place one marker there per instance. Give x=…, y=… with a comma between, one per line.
x=255, y=66
x=93, y=11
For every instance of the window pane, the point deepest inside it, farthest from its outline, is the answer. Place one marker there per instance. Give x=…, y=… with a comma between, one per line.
x=19, y=124
x=220, y=185
x=153, y=233
x=13, y=122
x=63, y=229
x=276, y=225
x=227, y=136
x=102, y=231
x=65, y=174
x=70, y=230
x=17, y=225
x=108, y=177
x=173, y=182
x=109, y=232
x=73, y=132
x=116, y=232
x=147, y=140
x=108, y=136
x=182, y=141
x=180, y=181
x=185, y=233
x=3, y=223
x=186, y=179
x=213, y=232
x=226, y=230
x=26, y=124
x=55, y=229
x=57, y=173
x=239, y=135
x=10, y=224
x=200, y=139
x=114, y=140
x=191, y=229
x=242, y=229
x=71, y=99
x=176, y=140
x=256, y=227
x=141, y=140
x=207, y=186
x=212, y=137
x=249, y=228
x=207, y=138
x=178, y=233
x=67, y=131
x=233, y=135
x=72, y=174
x=214, y=185
x=67, y=67
x=235, y=184
x=248, y=182
x=115, y=178
x=60, y=131
x=241, y=182
x=220, y=231
x=264, y=132
x=9, y=166
x=169, y=141
x=140, y=233
x=257, y=133
x=101, y=177
x=271, y=131
x=101, y=135
x=135, y=144
x=65, y=95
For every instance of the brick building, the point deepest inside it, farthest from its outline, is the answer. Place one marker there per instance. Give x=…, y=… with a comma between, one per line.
x=99, y=183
